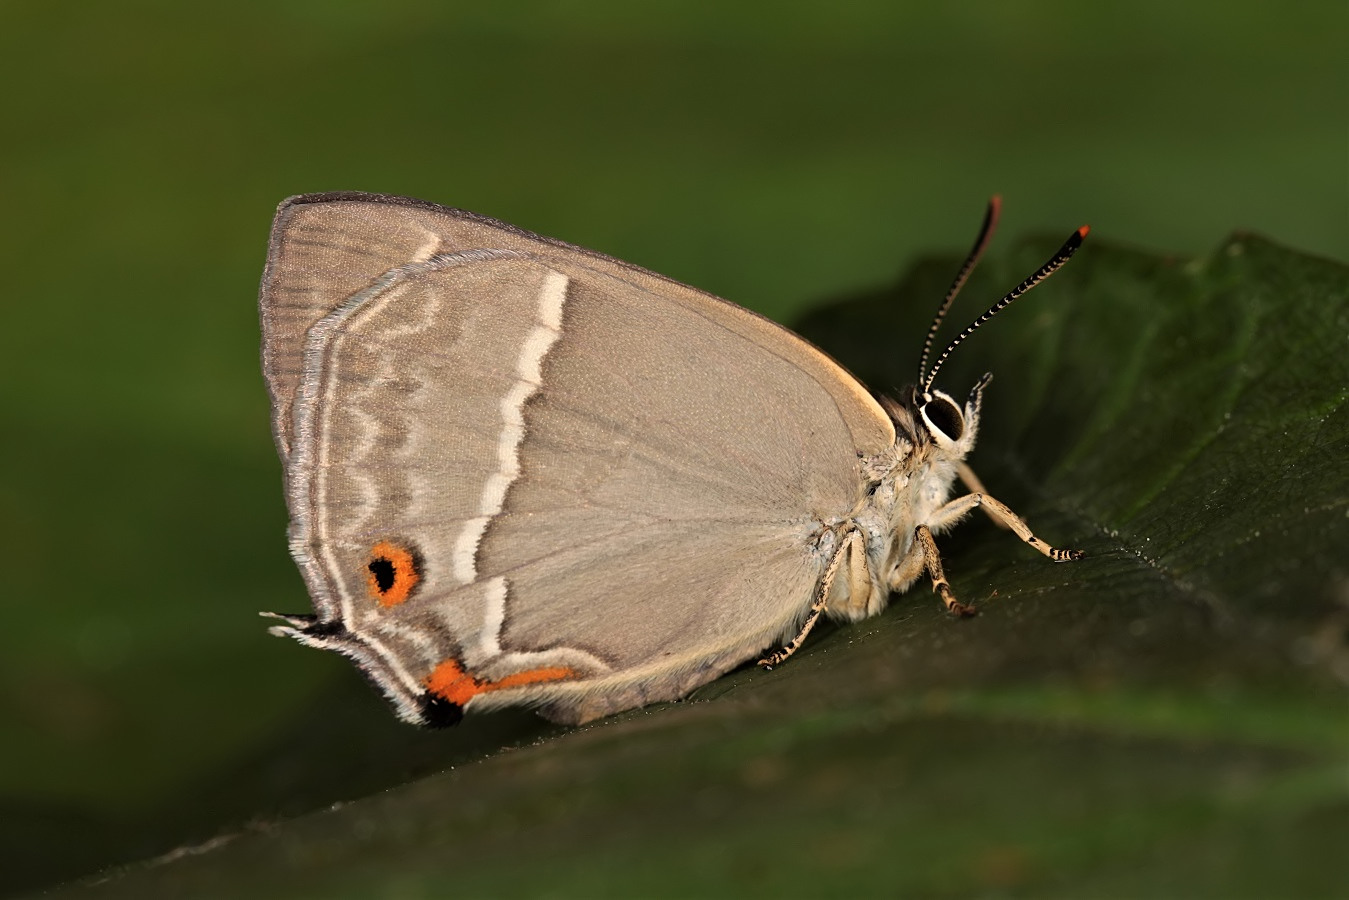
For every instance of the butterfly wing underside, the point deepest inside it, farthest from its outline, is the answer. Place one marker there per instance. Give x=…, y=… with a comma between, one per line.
x=520, y=472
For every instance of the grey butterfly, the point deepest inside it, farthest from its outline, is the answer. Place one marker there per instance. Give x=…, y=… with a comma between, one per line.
x=523, y=473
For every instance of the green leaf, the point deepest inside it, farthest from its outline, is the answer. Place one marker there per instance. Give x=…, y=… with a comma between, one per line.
x=1166, y=716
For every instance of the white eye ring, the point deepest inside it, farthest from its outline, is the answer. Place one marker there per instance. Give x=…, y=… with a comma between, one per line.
x=943, y=418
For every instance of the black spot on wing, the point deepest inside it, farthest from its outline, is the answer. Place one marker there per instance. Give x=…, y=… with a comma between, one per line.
x=437, y=712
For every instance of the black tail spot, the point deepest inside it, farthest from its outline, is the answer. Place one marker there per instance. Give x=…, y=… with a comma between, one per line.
x=437, y=712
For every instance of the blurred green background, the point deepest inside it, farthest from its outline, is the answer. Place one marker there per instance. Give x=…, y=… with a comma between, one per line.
x=775, y=154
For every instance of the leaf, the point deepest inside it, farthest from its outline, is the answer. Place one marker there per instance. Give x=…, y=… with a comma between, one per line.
x=1166, y=716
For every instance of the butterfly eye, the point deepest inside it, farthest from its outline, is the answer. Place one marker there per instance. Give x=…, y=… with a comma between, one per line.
x=943, y=418
x=392, y=573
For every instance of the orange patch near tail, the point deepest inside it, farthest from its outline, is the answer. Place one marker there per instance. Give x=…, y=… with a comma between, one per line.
x=450, y=682
x=392, y=573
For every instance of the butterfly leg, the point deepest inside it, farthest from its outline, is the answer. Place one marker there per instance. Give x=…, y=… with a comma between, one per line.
x=971, y=481
x=922, y=537
x=999, y=511
x=816, y=609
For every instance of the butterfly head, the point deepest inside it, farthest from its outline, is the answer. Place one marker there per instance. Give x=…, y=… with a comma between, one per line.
x=950, y=428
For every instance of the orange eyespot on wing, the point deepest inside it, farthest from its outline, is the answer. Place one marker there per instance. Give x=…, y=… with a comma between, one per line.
x=393, y=572
x=450, y=682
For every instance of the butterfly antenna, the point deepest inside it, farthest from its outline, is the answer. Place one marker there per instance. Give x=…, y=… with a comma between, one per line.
x=1055, y=263
x=980, y=245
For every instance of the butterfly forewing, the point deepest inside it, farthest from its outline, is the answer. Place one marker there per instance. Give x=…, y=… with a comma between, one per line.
x=519, y=471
